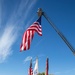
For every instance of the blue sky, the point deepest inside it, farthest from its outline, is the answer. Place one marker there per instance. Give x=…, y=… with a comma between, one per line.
x=16, y=16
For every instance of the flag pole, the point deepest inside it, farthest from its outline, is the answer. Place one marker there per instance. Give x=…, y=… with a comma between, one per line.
x=47, y=66
x=41, y=13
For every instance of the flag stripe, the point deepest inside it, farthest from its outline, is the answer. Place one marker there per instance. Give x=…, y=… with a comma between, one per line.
x=37, y=27
x=38, y=31
x=24, y=41
x=29, y=40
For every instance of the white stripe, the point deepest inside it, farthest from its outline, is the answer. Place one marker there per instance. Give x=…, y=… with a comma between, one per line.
x=34, y=28
x=40, y=32
x=36, y=25
x=22, y=48
x=23, y=42
x=30, y=36
x=24, y=38
x=37, y=22
x=27, y=40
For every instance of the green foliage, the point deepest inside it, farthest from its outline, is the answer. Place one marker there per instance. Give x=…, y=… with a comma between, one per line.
x=41, y=73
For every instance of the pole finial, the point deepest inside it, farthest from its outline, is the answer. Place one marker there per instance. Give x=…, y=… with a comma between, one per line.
x=39, y=12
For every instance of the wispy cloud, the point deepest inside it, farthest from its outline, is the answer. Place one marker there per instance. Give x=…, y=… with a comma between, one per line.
x=27, y=59
x=6, y=41
x=9, y=33
x=39, y=57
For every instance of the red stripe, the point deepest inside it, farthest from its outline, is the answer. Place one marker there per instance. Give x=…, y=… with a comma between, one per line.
x=30, y=72
x=29, y=40
x=35, y=27
x=36, y=23
x=37, y=30
x=25, y=40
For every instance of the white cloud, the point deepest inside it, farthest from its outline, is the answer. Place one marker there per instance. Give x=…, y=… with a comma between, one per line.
x=27, y=59
x=39, y=58
x=6, y=41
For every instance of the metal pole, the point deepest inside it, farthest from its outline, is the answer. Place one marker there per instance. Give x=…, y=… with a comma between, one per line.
x=57, y=30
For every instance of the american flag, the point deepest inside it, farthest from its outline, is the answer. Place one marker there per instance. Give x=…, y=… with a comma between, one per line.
x=29, y=34
x=30, y=71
